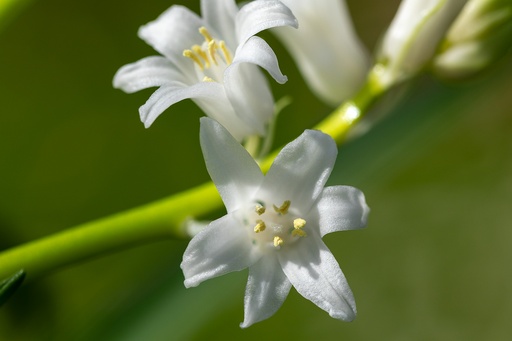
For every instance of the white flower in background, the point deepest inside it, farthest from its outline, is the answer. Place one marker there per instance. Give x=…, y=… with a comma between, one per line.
x=414, y=35
x=326, y=48
x=480, y=35
x=213, y=60
x=274, y=224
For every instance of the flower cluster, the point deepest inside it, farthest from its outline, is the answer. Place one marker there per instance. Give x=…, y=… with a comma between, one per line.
x=275, y=222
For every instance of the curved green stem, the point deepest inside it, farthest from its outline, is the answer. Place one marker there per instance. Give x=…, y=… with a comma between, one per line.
x=157, y=220
x=154, y=221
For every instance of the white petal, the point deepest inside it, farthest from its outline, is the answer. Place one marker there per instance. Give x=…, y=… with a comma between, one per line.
x=300, y=170
x=174, y=31
x=266, y=290
x=260, y=15
x=209, y=96
x=313, y=271
x=247, y=88
x=341, y=208
x=326, y=48
x=220, y=16
x=222, y=247
x=221, y=109
x=170, y=94
x=146, y=73
x=257, y=51
x=235, y=173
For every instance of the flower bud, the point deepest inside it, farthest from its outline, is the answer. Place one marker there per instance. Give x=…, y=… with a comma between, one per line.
x=326, y=48
x=414, y=35
x=479, y=36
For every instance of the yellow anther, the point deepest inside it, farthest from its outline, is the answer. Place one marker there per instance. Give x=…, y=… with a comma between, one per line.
x=207, y=79
x=284, y=207
x=259, y=209
x=278, y=241
x=299, y=233
x=199, y=52
x=299, y=223
x=204, y=32
x=225, y=52
x=212, y=47
x=260, y=226
x=190, y=54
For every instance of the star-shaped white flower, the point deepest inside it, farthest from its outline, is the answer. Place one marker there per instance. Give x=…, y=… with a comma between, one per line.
x=212, y=60
x=274, y=224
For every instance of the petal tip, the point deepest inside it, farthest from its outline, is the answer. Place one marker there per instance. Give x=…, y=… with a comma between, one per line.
x=347, y=315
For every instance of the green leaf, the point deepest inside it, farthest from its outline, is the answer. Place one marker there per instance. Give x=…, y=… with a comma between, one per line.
x=10, y=285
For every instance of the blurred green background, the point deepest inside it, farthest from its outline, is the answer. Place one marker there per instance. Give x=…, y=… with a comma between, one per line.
x=433, y=263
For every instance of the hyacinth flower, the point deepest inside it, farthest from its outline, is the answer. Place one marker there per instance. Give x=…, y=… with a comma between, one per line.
x=274, y=224
x=326, y=48
x=213, y=60
x=414, y=35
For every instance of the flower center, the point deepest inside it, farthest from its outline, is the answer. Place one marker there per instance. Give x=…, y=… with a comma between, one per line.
x=274, y=227
x=210, y=58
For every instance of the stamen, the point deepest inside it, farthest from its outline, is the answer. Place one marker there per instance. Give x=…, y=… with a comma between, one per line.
x=204, y=32
x=278, y=241
x=212, y=46
x=207, y=79
x=225, y=52
x=284, y=207
x=299, y=223
x=259, y=209
x=260, y=226
x=190, y=54
x=299, y=233
x=199, y=52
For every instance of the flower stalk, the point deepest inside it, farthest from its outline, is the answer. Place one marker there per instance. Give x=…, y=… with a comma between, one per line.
x=161, y=219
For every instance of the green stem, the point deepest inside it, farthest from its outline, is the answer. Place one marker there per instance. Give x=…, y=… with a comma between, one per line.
x=157, y=220
x=154, y=221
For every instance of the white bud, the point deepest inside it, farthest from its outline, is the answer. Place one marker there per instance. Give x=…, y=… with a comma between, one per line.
x=328, y=53
x=414, y=35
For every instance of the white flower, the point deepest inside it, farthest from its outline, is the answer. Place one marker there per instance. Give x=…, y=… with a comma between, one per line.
x=414, y=36
x=274, y=224
x=213, y=60
x=326, y=48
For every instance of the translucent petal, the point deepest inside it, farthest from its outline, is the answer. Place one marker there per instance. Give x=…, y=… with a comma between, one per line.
x=266, y=290
x=341, y=208
x=220, y=16
x=220, y=109
x=146, y=73
x=222, y=247
x=174, y=31
x=313, y=271
x=235, y=173
x=300, y=170
x=258, y=52
x=169, y=94
x=260, y=15
x=246, y=87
